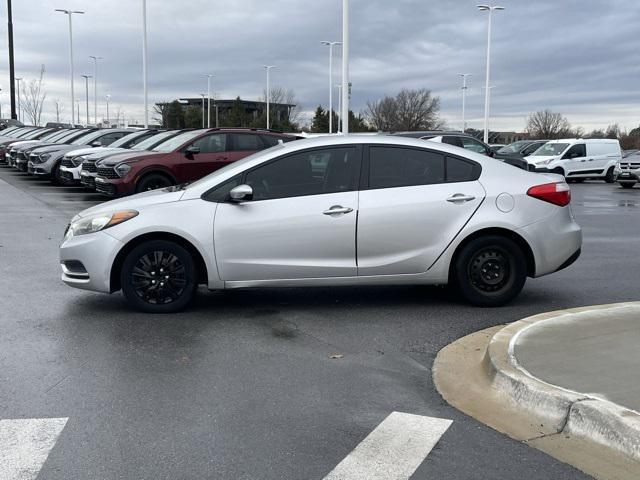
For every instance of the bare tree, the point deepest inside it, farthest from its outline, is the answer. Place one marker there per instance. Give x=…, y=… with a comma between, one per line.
x=548, y=125
x=34, y=96
x=283, y=96
x=409, y=110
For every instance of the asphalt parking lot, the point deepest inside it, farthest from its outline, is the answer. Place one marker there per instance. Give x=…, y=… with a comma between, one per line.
x=243, y=385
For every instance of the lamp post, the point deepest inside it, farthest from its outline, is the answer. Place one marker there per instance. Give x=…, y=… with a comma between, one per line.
x=95, y=87
x=330, y=44
x=268, y=69
x=464, y=94
x=70, y=13
x=18, y=79
x=86, y=87
x=345, y=67
x=203, y=95
x=144, y=63
x=209, y=76
x=339, y=113
x=12, y=73
x=490, y=9
x=108, y=97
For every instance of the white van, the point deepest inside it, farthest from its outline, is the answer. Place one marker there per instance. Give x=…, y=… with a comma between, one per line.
x=578, y=158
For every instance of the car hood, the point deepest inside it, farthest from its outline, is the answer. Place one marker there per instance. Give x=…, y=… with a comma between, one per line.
x=56, y=148
x=125, y=157
x=79, y=150
x=134, y=202
x=24, y=143
x=99, y=154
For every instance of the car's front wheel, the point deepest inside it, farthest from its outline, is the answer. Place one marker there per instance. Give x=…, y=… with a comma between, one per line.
x=609, y=177
x=159, y=277
x=153, y=181
x=627, y=185
x=490, y=271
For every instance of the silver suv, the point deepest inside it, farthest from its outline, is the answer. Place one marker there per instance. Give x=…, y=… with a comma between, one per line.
x=627, y=171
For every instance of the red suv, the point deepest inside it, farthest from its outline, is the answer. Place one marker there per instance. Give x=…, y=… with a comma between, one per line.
x=184, y=158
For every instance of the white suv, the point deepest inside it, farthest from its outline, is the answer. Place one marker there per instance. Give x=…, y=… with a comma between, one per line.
x=627, y=171
x=577, y=158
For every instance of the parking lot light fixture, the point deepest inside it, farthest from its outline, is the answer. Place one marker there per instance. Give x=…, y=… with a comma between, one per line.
x=209, y=77
x=464, y=94
x=490, y=9
x=95, y=87
x=70, y=13
x=331, y=45
x=268, y=96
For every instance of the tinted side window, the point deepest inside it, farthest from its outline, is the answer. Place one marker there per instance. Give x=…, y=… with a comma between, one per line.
x=473, y=145
x=530, y=149
x=139, y=139
x=221, y=192
x=391, y=167
x=313, y=172
x=577, y=151
x=452, y=140
x=247, y=141
x=212, y=143
x=269, y=141
x=111, y=137
x=461, y=171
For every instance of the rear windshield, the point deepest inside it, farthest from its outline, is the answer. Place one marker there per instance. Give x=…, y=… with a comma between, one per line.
x=550, y=149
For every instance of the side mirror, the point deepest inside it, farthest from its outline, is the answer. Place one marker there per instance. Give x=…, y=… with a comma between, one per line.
x=241, y=193
x=192, y=150
x=97, y=143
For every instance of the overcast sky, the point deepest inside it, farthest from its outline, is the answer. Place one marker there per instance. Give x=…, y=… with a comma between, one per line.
x=578, y=57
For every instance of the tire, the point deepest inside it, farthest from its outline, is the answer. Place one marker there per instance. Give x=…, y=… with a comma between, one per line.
x=153, y=181
x=143, y=277
x=627, y=185
x=476, y=264
x=609, y=178
x=55, y=175
x=558, y=170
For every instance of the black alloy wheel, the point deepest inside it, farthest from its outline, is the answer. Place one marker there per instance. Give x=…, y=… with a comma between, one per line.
x=153, y=181
x=159, y=277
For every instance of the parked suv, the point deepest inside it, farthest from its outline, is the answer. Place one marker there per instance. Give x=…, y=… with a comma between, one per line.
x=578, y=158
x=183, y=158
x=627, y=171
x=18, y=153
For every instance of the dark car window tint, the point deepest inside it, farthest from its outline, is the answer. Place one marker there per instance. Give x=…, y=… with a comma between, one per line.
x=269, y=141
x=211, y=143
x=110, y=138
x=401, y=167
x=221, y=192
x=452, y=140
x=473, y=145
x=312, y=172
x=247, y=141
x=461, y=171
x=577, y=151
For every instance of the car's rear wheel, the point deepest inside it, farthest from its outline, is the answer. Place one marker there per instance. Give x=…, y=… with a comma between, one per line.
x=609, y=178
x=159, y=277
x=153, y=181
x=490, y=271
x=627, y=185
x=558, y=170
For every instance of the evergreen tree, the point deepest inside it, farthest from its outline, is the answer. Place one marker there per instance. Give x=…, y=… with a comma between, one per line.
x=320, y=121
x=237, y=115
x=193, y=117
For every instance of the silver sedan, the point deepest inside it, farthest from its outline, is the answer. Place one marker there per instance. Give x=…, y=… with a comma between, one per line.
x=339, y=210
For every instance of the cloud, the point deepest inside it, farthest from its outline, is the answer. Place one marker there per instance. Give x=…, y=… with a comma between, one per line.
x=575, y=57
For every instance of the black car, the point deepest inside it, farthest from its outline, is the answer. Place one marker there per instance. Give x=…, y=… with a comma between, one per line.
x=458, y=139
x=515, y=152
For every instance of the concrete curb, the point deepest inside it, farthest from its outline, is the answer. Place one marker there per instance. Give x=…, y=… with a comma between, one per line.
x=557, y=408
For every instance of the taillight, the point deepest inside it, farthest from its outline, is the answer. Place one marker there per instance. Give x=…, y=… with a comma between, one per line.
x=556, y=193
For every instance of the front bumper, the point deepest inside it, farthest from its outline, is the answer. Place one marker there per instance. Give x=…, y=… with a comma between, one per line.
x=96, y=253
x=627, y=176
x=113, y=187
x=70, y=175
x=36, y=169
x=88, y=179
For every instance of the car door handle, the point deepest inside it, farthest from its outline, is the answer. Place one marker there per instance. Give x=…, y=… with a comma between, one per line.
x=460, y=198
x=336, y=209
x=583, y=160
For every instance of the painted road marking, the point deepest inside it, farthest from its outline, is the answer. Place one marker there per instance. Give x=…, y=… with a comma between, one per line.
x=393, y=450
x=25, y=445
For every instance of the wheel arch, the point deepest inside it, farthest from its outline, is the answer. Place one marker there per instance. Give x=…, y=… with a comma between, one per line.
x=116, y=267
x=498, y=231
x=155, y=170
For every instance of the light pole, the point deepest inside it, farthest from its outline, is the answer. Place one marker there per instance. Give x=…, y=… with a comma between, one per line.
x=12, y=73
x=144, y=63
x=71, y=74
x=345, y=67
x=268, y=69
x=95, y=87
x=490, y=9
x=57, y=112
x=464, y=94
x=202, y=95
x=209, y=76
x=18, y=79
x=108, y=97
x=86, y=87
x=339, y=87
x=330, y=44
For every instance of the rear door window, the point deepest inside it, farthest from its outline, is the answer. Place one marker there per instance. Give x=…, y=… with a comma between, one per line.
x=247, y=141
x=391, y=167
x=452, y=140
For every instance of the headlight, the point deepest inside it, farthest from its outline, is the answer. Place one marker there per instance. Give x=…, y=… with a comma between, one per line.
x=95, y=223
x=44, y=157
x=123, y=169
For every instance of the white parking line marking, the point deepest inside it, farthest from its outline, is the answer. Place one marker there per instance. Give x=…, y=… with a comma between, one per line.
x=393, y=450
x=25, y=445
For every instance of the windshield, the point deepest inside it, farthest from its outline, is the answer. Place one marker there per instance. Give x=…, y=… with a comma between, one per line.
x=53, y=135
x=239, y=163
x=33, y=134
x=88, y=138
x=68, y=134
x=126, y=139
x=175, y=142
x=550, y=149
x=513, y=147
x=154, y=140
